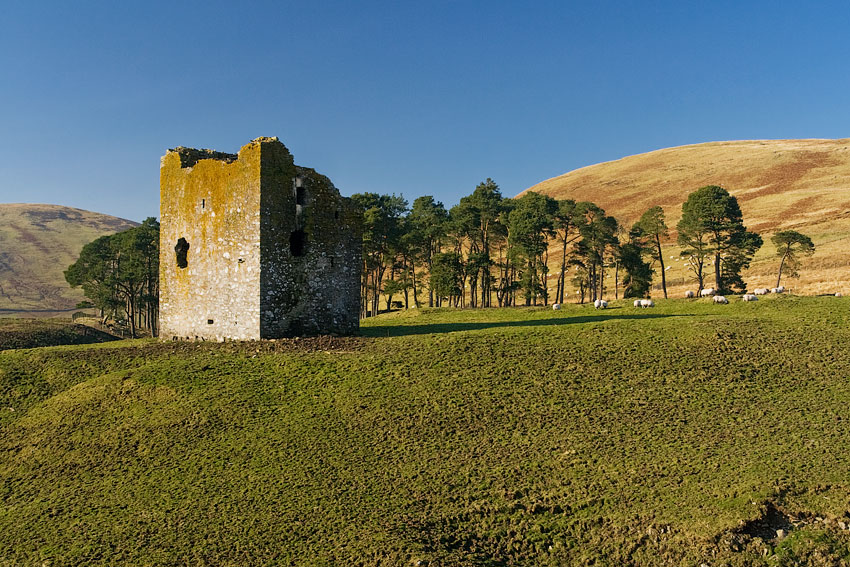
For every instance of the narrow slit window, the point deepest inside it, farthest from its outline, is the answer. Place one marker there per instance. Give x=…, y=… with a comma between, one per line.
x=298, y=243
x=181, y=249
x=203, y=203
x=300, y=196
x=209, y=321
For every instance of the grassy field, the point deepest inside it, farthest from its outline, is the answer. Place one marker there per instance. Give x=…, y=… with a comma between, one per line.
x=686, y=434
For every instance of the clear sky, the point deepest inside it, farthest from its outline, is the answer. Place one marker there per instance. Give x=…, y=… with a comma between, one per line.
x=424, y=98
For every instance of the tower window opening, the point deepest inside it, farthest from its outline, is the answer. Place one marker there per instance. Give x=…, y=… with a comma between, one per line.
x=203, y=203
x=298, y=242
x=300, y=196
x=181, y=249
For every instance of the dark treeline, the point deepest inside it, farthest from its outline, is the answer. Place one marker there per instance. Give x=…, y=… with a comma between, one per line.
x=494, y=251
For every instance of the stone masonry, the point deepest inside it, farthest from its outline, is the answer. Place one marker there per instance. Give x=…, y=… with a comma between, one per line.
x=254, y=247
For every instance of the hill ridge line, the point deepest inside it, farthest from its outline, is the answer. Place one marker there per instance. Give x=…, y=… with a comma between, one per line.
x=684, y=146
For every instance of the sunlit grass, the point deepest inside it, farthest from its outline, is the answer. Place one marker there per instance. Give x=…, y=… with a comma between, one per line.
x=459, y=437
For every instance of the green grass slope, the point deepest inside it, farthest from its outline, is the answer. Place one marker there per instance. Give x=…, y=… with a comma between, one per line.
x=30, y=333
x=39, y=242
x=684, y=434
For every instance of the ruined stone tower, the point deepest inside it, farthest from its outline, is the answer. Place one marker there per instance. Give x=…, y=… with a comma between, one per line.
x=253, y=246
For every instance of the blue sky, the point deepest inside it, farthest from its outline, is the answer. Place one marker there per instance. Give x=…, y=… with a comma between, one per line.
x=411, y=98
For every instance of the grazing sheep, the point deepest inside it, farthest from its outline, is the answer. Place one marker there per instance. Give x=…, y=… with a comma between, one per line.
x=707, y=292
x=690, y=293
x=837, y=294
x=556, y=306
x=780, y=289
x=761, y=291
x=647, y=303
x=720, y=299
x=637, y=302
x=749, y=297
x=600, y=304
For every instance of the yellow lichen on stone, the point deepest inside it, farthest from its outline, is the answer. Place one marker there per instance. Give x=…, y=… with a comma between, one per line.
x=246, y=275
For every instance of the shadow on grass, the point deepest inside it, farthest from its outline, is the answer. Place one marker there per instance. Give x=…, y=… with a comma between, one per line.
x=439, y=328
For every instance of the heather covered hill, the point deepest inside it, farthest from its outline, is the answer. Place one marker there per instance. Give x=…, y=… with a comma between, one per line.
x=802, y=185
x=37, y=243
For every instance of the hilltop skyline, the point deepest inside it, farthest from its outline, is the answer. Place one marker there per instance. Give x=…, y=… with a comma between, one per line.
x=412, y=100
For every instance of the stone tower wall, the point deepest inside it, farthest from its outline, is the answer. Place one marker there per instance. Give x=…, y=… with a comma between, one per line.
x=310, y=283
x=273, y=250
x=212, y=200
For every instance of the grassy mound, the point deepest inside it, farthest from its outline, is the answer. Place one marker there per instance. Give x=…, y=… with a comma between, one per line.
x=682, y=434
x=32, y=333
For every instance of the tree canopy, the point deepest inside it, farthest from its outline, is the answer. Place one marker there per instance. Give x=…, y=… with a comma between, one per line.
x=119, y=273
x=790, y=246
x=712, y=227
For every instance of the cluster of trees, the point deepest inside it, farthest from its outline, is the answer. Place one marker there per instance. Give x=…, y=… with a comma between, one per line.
x=489, y=250
x=712, y=231
x=119, y=274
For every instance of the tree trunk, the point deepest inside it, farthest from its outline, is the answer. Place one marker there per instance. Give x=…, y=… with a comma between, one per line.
x=601, y=280
x=415, y=288
x=617, y=281
x=661, y=259
x=559, y=295
x=717, y=272
x=781, y=265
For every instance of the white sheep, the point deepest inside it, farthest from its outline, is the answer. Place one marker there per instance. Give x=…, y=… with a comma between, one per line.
x=690, y=293
x=556, y=306
x=761, y=291
x=720, y=299
x=707, y=292
x=647, y=303
x=749, y=297
x=637, y=302
x=780, y=289
x=600, y=304
x=837, y=294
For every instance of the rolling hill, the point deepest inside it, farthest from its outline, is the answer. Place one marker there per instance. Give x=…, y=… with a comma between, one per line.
x=780, y=184
x=37, y=243
x=681, y=435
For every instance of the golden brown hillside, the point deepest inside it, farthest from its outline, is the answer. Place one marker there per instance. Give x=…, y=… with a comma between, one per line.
x=780, y=184
x=37, y=243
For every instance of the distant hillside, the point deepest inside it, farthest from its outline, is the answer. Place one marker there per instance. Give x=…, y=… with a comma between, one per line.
x=780, y=184
x=37, y=243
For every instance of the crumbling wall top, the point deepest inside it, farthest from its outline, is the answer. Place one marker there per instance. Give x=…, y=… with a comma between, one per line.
x=191, y=156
